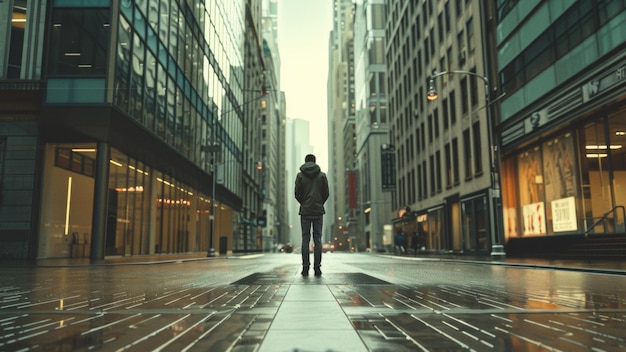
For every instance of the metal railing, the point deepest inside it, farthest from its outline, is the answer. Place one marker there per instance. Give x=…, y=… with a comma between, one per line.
x=21, y=85
x=609, y=224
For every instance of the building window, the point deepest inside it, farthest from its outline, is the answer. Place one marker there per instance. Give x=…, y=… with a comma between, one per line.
x=461, y=47
x=69, y=160
x=452, y=108
x=478, y=160
x=430, y=128
x=78, y=42
x=455, y=160
x=436, y=122
x=566, y=33
x=469, y=28
x=433, y=175
x=467, y=146
x=448, y=157
x=424, y=178
x=18, y=25
x=464, y=101
x=420, y=180
x=445, y=114
x=438, y=170
x=474, y=89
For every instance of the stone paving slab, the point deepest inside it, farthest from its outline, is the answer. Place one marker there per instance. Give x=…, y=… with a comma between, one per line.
x=310, y=319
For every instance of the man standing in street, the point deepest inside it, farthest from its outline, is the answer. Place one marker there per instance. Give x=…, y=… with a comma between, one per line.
x=311, y=192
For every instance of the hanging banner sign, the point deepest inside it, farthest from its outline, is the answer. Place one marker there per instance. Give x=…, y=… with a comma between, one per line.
x=388, y=167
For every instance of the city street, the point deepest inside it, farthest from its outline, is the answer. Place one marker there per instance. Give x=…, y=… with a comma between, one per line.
x=362, y=302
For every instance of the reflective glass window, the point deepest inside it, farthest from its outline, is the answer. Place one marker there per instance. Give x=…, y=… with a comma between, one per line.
x=181, y=50
x=187, y=120
x=173, y=30
x=178, y=122
x=142, y=5
x=150, y=91
x=161, y=100
x=136, y=78
x=126, y=7
x=171, y=110
x=153, y=14
x=122, y=64
x=164, y=21
x=79, y=41
x=139, y=23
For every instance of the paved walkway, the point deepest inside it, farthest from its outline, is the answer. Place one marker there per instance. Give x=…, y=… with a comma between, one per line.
x=311, y=316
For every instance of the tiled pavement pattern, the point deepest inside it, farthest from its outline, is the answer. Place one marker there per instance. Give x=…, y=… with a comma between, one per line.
x=179, y=316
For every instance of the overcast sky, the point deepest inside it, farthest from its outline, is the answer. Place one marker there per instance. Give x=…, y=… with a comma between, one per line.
x=303, y=30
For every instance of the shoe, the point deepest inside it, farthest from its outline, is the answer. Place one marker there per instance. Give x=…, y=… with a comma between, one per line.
x=318, y=272
x=305, y=271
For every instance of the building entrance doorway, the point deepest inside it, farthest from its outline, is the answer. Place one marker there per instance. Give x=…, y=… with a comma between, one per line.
x=67, y=201
x=475, y=224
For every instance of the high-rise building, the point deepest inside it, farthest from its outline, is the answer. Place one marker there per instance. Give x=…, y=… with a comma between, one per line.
x=122, y=127
x=341, y=127
x=372, y=125
x=249, y=235
x=272, y=135
x=561, y=71
x=299, y=143
x=442, y=159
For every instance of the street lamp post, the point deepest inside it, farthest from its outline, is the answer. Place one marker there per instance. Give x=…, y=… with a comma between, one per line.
x=213, y=149
x=497, y=249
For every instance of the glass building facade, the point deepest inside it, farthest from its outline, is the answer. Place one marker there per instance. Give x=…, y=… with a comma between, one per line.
x=142, y=103
x=563, y=119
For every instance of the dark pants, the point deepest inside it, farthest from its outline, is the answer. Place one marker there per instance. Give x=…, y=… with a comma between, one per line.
x=308, y=222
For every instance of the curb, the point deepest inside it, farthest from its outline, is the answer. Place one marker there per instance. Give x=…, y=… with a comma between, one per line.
x=517, y=265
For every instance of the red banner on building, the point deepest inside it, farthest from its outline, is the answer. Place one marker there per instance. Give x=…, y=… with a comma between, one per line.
x=352, y=189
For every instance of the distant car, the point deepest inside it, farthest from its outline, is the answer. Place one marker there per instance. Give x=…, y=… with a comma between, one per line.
x=328, y=247
x=288, y=248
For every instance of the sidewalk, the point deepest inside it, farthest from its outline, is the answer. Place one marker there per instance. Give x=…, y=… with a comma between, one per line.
x=136, y=260
x=598, y=266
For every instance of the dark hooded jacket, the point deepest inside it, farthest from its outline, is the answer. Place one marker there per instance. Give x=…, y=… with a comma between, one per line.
x=311, y=189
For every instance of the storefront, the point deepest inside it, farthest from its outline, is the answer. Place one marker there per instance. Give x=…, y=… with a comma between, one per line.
x=564, y=166
x=148, y=210
x=459, y=225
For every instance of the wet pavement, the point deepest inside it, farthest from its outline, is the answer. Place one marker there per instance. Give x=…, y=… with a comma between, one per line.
x=362, y=302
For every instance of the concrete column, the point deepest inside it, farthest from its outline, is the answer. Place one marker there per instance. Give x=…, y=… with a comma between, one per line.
x=100, y=202
x=34, y=35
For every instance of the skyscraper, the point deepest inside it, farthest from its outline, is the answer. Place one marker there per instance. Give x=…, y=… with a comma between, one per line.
x=372, y=123
x=341, y=123
x=443, y=184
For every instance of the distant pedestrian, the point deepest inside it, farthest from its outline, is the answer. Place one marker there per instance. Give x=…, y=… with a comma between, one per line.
x=400, y=242
x=311, y=192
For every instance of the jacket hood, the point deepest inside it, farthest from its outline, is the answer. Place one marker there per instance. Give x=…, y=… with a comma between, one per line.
x=310, y=169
